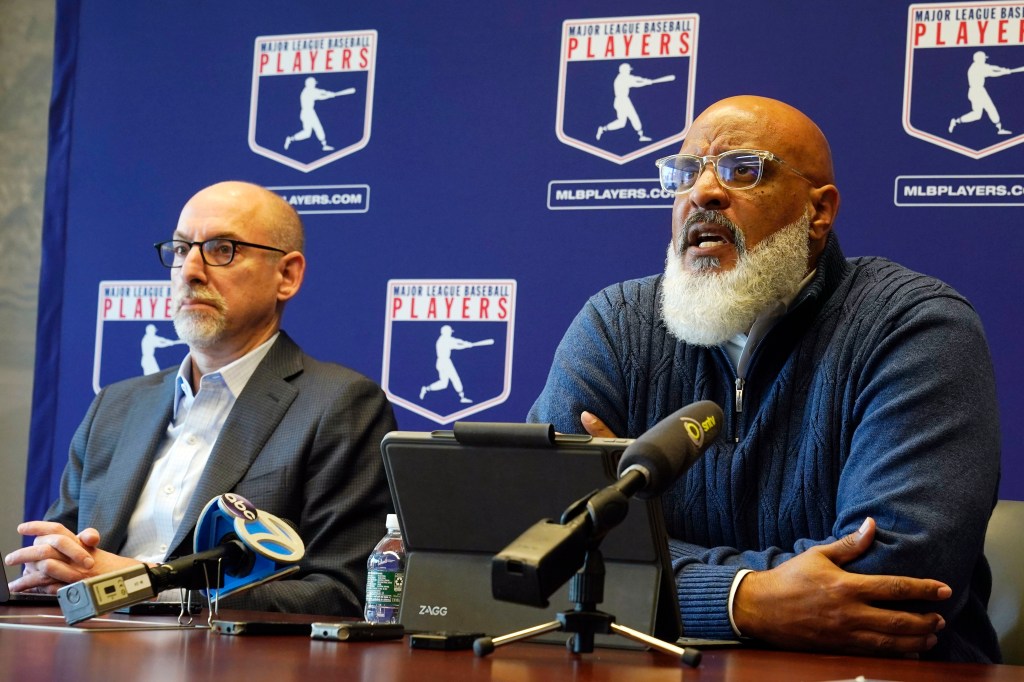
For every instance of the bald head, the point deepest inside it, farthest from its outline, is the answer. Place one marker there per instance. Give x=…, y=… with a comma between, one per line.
x=763, y=123
x=257, y=206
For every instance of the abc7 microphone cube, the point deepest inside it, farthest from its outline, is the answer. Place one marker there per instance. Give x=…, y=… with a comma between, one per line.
x=236, y=546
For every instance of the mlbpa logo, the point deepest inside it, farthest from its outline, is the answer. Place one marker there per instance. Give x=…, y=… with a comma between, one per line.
x=448, y=346
x=964, y=75
x=312, y=96
x=625, y=84
x=134, y=331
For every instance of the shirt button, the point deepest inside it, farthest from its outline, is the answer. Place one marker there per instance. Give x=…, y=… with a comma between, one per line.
x=163, y=548
x=168, y=489
x=191, y=440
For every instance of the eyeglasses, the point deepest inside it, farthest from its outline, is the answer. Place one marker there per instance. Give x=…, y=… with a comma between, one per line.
x=735, y=169
x=215, y=252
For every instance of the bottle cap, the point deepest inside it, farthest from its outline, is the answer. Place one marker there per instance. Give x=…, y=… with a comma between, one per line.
x=392, y=522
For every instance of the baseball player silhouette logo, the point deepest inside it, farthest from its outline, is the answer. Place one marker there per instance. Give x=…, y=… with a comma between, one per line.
x=311, y=94
x=623, y=105
x=981, y=102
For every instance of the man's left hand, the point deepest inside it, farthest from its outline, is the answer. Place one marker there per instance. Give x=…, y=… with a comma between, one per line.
x=58, y=557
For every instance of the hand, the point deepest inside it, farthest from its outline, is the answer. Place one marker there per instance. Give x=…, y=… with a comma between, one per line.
x=594, y=426
x=58, y=557
x=810, y=603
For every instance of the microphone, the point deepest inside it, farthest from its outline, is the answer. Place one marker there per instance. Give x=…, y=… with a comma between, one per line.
x=547, y=554
x=236, y=548
x=670, y=447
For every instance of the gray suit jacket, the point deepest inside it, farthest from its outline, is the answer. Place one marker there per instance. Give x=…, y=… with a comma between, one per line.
x=302, y=442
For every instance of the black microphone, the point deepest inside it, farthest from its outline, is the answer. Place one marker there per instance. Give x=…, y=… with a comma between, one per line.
x=654, y=461
x=548, y=553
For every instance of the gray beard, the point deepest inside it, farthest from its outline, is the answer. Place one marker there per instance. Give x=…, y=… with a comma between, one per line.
x=708, y=308
x=200, y=329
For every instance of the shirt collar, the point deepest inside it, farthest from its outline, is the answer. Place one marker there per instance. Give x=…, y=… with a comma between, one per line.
x=235, y=375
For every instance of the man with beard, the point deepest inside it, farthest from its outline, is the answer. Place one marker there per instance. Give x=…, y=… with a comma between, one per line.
x=854, y=391
x=246, y=412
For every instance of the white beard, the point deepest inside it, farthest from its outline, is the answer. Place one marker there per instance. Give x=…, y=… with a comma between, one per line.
x=707, y=308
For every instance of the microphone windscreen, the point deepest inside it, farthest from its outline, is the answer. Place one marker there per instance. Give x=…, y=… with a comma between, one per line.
x=672, y=445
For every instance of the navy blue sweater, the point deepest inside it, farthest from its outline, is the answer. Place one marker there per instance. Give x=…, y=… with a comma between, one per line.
x=872, y=396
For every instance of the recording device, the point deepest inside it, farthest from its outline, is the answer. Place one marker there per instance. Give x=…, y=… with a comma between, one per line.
x=548, y=554
x=444, y=641
x=236, y=548
x=361, y=631
x=259, y=627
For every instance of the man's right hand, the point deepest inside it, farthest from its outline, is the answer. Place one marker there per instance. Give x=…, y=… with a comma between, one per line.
x=810, y=603
x=594, y=426
x=58, y=557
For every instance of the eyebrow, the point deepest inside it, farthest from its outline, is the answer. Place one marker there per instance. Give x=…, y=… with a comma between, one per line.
x=224, y=235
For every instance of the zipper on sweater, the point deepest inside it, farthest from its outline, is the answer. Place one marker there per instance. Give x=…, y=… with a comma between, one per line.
x=739, y=405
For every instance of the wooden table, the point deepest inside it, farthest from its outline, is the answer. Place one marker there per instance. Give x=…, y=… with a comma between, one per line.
x=68, y=654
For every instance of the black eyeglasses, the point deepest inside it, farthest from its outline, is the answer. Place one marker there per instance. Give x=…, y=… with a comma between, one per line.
x=216, y=252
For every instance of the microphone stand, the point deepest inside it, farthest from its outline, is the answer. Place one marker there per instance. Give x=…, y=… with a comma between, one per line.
x=586, y=590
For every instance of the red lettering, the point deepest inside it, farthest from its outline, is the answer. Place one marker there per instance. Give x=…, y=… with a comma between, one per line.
x=297, y=62
x=264, y=60
x=961, y=34
x=107, y=305
x=573, y=44
x=938, y=35
x=645, y=50
x=312, y=58
x=684, y=40
x=1002, y=31
x=503, y=308
x=167, y=307
x=919, y=31
x=330, y=58
x=396, y=305
x=412, y=309
x=364, y=58
x=138, y=309
x=589, y=45
x=120, y=308
x=448, y=303
x=626, y=40
x=432, y=308
x=663, y=43
x=982, y=27
x=609, y=47
x=465, y=307
x=152, y=307
x=280, y=68
x=484, y=304
x=346, y=58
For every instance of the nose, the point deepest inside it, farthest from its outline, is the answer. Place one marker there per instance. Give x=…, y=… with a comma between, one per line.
x=193, y=268
x=707, y=191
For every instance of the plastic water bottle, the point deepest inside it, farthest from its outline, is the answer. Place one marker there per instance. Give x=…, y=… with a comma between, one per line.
x=385, y=575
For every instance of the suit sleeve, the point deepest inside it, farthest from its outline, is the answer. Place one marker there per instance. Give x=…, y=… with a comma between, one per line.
x=339, y=502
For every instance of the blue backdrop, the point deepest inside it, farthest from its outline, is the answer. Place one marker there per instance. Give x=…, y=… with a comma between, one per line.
x=447, y=163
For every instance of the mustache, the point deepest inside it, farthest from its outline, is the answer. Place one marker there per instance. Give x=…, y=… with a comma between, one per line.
x=199, y=294
x=703, y=215
x=706, y=216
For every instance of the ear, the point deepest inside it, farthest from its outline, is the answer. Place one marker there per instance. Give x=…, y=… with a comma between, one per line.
x=291, y=268
x=825, y=204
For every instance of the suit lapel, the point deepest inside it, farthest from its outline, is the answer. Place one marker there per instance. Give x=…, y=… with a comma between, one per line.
x=256, y=414
x=144, y=429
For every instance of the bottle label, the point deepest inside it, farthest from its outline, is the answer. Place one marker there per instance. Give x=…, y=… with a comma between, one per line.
x=383, y=596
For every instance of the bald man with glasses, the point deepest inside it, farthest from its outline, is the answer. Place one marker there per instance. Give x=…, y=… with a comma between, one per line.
x=246, y=412
x=854, y=390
